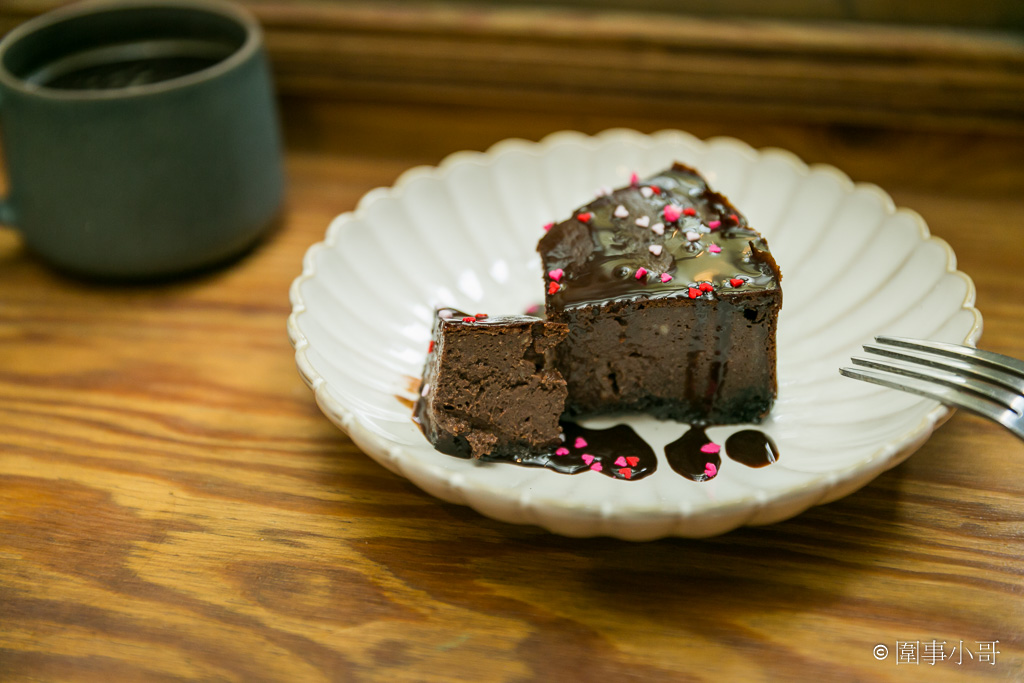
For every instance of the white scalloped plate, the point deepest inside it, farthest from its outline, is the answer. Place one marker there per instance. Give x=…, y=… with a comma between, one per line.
x=464, y=234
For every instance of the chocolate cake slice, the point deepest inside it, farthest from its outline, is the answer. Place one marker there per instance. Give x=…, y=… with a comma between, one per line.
x=489, y=388
x=671, y=301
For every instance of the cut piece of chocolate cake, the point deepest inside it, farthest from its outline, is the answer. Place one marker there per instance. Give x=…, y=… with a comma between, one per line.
x=490, y=389
x=671, y=301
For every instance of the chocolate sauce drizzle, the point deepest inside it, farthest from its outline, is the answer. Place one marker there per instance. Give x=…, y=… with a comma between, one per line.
x=617, y=452
x=750, y=447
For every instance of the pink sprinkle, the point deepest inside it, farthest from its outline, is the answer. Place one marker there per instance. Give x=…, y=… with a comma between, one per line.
x=689, y=211
x=640, y=272
x=710, y=447
x=620, y=461
x=580, y=442
x=596, y=467
x=715, y=249
x=548, y=226
x=714, y=224
x=634, y=179
x=672, y=213
x=665, y=277
x=562, y=451
x=533, y=310
x=556, y=274
x=710, y=470
x=587, y=458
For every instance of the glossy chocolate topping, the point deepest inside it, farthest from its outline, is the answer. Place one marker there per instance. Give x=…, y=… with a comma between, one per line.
x=661, y=237
x=752, y=447
x=686, y=455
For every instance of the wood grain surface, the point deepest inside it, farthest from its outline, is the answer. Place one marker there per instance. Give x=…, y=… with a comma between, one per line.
x=173, y=505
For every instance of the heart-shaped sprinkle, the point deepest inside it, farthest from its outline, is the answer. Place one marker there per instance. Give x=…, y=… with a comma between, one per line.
x=658, y=228
x=672, y=213
x=596, y=467
x=632, y=460
x=634, y=179
x=646, y=192
x=655, y=189
x=580, y=442
x=548, y=226
x=584, y=217
x=710, y=447
x=620, y=461
x=689, y=211
x=692, y=236
x=665, y=277
x=714, y=225
x=480, y=316
x=715, y=249
x=553, y=287
x=603, y=191
x=587, y=458
x=425, y=390
x=706, y=287
x=693, y=292
x=710, y=470
x=655, y=249
x=625, y=473
x=643, y=221
x=556, y=274
x=734, y=218
x=621, y=211
x=562, y=451
x=640, y=272
x=469, y=319
x=736, y=281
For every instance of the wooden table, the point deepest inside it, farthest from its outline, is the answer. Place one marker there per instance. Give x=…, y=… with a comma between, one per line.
x=174, y=506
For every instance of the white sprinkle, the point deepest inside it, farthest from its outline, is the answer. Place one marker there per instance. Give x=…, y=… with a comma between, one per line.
x=658, y=228
x=692, y=236
x=647, y=192
x=643, y=221
x=621, y=211
x=425, y=390
x=655, y=249
x=603, y=191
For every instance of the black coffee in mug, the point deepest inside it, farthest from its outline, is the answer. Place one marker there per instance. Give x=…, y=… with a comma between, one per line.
x=141, y=137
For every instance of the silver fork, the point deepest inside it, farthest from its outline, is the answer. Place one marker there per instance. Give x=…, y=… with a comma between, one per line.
x=988, y=384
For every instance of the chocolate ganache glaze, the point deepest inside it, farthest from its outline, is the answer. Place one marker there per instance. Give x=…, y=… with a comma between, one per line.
x=701, y=239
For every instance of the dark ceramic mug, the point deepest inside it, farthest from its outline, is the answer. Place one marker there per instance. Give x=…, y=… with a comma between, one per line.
x=141, y=138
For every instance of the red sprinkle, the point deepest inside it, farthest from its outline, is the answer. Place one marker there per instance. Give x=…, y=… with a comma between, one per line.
x=469, y=319
x=430, y=349
x=693, y=292
x=480, y=316
x=734, y=218
x=706, y=287
x=626, y=473
x=632, y=460
x=548, y=226
x=553, y=287
x=584, y=217
x=580, y=442
x=657, y=190
x=736, y=281
x=562, y=451
x=556, y=274
x=689, y=211
x=640, y=272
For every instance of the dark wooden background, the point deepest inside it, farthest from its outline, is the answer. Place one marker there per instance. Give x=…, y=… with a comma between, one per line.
x=173, y=506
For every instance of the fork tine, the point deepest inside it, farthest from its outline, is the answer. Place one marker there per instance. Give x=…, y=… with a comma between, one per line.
x=987, y=358
x=960, y=363
x=929, y=373
x=942, y=393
